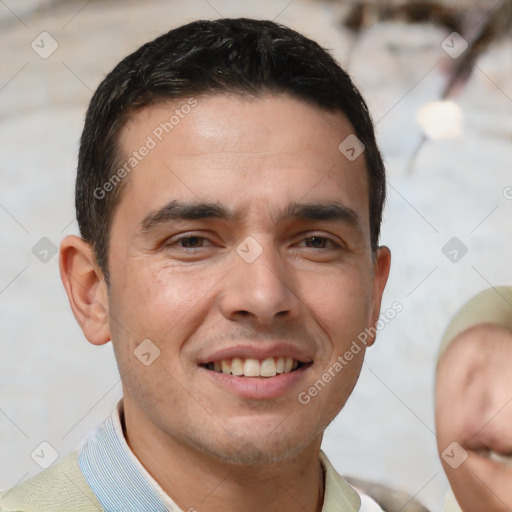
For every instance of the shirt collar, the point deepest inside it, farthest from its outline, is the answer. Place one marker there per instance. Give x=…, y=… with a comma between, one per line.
x=121, y=483
x=338, y=495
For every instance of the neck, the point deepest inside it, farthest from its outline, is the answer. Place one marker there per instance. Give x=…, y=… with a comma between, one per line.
x=199, y=482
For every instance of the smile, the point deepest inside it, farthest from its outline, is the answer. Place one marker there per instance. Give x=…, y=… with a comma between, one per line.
x=250, y=367
x=258, y=379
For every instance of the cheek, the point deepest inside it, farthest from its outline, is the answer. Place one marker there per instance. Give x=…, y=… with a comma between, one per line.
x=445, y=428
x=162, y=294
x=458, y=397
x=340, y=304
x=451, y=418
x=340, y=301
x=330, y=388
x=162, y=304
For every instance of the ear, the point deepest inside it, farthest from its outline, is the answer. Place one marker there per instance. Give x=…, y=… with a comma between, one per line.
x=86, y=288
x=381, y=268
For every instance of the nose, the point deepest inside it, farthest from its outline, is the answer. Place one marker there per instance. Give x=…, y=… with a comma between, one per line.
x=494, y=431
x=260, y=291
x=489, y=417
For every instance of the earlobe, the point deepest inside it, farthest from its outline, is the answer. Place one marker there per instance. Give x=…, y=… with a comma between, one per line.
x=86, y=288
x=380, y=277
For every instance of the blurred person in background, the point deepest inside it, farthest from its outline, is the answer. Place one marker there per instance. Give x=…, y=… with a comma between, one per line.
x=474, y=404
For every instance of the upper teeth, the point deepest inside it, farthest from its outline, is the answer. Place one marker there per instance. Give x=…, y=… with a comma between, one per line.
x=504, y=459
x=253, y=367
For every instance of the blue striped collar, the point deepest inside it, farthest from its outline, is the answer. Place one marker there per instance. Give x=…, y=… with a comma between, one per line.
x=122, y=484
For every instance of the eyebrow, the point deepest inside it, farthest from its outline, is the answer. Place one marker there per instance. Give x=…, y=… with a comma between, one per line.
x=329, y=211
x=179, y=210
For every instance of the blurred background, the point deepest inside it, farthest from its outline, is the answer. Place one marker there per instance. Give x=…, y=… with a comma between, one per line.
x=438, y=80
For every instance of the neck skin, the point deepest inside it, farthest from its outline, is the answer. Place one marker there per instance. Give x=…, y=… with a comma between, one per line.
x=200, y=483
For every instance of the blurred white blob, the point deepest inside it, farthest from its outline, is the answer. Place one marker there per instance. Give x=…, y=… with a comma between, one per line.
x=450, y=503
x=440, y=120
x=368, y=505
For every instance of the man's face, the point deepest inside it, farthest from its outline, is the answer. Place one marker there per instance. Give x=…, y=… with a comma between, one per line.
x=242, y=237
x=474, y=418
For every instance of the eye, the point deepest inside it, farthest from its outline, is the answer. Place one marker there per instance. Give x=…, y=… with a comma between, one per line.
x=191, y=246
x=191, y=242
x=188, y=242
x=320, y=242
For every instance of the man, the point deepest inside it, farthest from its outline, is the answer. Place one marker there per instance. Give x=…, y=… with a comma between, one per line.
x=229, y=197
x=474, y=403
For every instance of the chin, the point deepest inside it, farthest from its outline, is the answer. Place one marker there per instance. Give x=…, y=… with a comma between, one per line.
x=255, y=447
x=484, y=483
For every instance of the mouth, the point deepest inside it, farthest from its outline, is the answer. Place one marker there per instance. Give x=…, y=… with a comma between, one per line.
x=504, y=460
x=258, y=379
x=255, y=368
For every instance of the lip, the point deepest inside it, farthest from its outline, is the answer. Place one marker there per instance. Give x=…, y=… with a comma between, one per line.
x=258, y=388
x=258, y=351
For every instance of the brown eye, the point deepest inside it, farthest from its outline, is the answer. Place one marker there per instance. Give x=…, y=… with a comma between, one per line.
x=317, y=242
x=191, y=242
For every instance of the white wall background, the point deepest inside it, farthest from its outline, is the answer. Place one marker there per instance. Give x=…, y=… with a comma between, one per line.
x=55, y=387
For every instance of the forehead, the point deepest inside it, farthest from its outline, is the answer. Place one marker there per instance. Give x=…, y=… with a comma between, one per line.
x=239, y=149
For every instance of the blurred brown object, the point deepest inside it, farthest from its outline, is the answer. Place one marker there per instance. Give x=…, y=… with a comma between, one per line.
x=479, y=23
x=366, y=13
x=391, y=500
